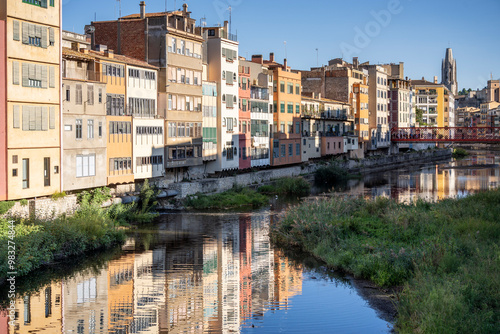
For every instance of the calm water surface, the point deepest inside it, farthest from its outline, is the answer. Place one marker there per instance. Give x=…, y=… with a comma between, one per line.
x=213, y=273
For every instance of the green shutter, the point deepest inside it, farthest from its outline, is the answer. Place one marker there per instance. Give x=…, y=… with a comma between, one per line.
x=15, y=72
x=52, y=118
x=15, y=30
x=25, y=74
x=43, y=3
x=25, y=33
x=52, y=77
x=44, y=76
x=15, y=116
x=45, y=120
x=26, y=118
x=44, y=37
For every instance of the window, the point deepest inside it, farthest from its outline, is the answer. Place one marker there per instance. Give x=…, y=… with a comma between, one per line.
x=283, y=150
x=85, y=165
x=282, y=86
x=79, y=94
x=290, y=87
x=297, y=89
x=290, y=127
x=90, y=94
x=290, y=107
x=282, y=107
x=297, y=127
x=26, y=173
x=297, y=108
x=14, y=172
x=290, y=150
x=90, y=129
x=282, y=127
x=297, y=149
x=100, y=129
x=78, y=128
x=46, y=172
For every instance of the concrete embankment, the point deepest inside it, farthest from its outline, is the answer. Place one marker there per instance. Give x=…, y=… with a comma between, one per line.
x=365, y=166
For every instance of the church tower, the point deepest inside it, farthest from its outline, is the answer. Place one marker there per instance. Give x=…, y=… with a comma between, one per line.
x=449, y=72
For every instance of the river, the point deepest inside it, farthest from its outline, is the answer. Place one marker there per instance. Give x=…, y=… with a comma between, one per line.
x=218, y=272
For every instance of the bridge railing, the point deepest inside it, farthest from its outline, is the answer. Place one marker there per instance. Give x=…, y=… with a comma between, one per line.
x=446, y=134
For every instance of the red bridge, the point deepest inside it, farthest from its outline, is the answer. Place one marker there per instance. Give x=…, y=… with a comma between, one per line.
x=447, y=134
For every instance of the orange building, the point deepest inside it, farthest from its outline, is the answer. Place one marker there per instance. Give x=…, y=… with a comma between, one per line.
x=285, y=144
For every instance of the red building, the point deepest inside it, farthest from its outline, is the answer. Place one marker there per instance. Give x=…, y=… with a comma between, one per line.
x=244, y=115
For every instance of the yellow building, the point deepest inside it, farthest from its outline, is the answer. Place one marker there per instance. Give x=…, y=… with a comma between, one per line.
x=286, y=137
x=361, y=116
x=29, y=33
x=436, y=103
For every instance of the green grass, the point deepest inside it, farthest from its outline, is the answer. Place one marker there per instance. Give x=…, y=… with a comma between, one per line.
x=445, y=255
x=293, y=186
x=235, y=198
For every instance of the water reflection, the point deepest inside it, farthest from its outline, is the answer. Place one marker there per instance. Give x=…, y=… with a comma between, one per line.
x=190, y=273
x=459, y=178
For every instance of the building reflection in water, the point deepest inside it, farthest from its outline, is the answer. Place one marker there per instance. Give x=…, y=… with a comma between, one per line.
x=196, y=274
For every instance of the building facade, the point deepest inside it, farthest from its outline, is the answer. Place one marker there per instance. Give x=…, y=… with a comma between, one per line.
x=434, y=102
x=244, y=107
x=222, y=62
x=30, y=144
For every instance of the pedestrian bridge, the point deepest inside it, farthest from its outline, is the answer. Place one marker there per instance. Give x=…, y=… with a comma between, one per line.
x=447, y=134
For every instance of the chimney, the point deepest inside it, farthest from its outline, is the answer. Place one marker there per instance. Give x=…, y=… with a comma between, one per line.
x=84, y=50
x=226, y=23
x=423, y=79
x=257, y=59
x=142, y=6
x=185, y=8
x=435, y=79
x=285, y=66
x=319, y=96
x=109, y=53
x=75, y=46
x=271, y=56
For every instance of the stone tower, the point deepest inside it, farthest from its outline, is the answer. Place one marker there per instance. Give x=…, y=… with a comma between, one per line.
x=449, y=72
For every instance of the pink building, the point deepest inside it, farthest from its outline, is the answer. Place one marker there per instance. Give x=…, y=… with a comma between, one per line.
x=244, y=115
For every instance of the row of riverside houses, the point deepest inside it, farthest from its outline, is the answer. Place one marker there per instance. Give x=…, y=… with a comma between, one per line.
x=153, y=96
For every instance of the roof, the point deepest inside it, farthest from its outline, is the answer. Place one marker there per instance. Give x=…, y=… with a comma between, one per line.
x=323, y=100
x=424, y=83
x=76, y=54
x=138, y=16
x=123, y=59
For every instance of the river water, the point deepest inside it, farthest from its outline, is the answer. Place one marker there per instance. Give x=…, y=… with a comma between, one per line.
x=218, y=272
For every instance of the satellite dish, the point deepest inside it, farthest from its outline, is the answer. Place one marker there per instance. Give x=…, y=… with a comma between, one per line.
x=89, y=29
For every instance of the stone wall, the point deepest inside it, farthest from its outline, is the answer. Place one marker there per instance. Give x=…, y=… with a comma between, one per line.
x=45, y=208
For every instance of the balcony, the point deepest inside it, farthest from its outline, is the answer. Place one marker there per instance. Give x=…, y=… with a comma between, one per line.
x=226, y=35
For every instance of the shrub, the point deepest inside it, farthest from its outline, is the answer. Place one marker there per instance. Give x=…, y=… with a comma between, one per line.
x=5, y=206
x=329, y=175
x=459, y=153
x=57, y=195
x=234, y=198
x=94, y=197
x=296, y=186
x=23, y=202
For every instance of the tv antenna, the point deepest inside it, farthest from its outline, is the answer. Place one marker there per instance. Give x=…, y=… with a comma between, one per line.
x=119, y=8
x=284, y=42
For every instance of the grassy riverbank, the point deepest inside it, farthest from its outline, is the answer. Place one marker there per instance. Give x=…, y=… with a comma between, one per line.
x=445, y=255
x=39, y=242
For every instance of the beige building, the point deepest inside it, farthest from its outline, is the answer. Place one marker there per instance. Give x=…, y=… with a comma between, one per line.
x=84, y=122
x=30, y=110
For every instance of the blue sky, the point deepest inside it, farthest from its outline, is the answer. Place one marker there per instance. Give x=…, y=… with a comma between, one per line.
x=416, y=32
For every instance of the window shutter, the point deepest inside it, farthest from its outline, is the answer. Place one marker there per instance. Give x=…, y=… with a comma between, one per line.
x=52, y=77
x=15, y=117
x=32, y=71
x=25, y=33
x=45, y=120
x=44, y=37
x=38, y=72
x=43, y=3
x=15, y=30
x=15, y=72
x=32, y=118
x=26, y=118
x=31, y=32
x=52, y=118
x=25, y=75
x=51, y=35
x=229, y=77
x=38, y=118
x=38, y=31
x=44, y=76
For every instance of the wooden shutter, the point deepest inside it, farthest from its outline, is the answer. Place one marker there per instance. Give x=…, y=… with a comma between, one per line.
x=26, y=118
x=52, y=118
x=45, y=120
x=90, y=94
x=25, y=33
x=15, y=116
x=38, y=72
x=38, y=31
x=32, y=118
x=32, y=71
x=15, y=30
x=44, y=37
x=15, y=72
x=25, y=74
x=44, y=76
x=31, y=31
x=38, y=118
x=52, y=77
x=51, y=36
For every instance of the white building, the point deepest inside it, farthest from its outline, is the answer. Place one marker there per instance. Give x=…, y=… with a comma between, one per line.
x=222, y=61
x=147, y=128
x=209, y=119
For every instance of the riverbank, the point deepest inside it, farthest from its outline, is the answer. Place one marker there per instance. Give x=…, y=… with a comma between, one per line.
x=444, y=256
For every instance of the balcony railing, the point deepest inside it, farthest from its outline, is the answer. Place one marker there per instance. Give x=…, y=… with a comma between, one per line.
x=231, y=37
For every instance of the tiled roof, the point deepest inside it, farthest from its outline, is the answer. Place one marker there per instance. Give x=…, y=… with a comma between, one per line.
x=123, y=59
x=424, y=83
x=77, y=54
